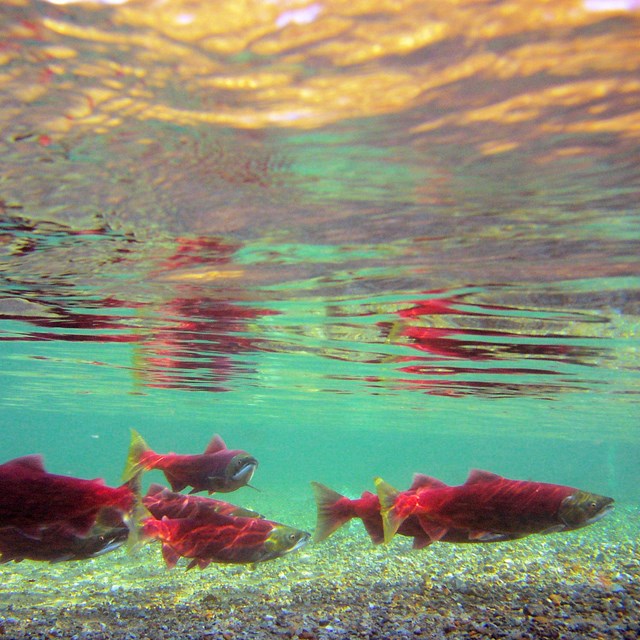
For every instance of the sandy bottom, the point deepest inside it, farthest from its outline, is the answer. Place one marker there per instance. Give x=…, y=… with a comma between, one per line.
x=573, y=585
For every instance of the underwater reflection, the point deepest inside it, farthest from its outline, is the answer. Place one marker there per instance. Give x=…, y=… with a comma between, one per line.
x=201, y=318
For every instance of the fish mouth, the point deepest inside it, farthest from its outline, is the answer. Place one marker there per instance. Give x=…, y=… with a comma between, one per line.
x=304, y=539
x=601, y=514
x=245, y=472
x=116, y=543
x=108, y=542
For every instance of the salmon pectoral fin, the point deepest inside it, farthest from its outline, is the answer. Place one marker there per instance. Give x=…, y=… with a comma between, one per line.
x=485, y=536
x=201, y=563
x=434, y=530
x=329, y=516
x=554, y=529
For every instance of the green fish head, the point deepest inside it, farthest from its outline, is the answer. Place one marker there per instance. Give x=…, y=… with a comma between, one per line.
x=582, y=508
x=284, y=540
x=241, y=468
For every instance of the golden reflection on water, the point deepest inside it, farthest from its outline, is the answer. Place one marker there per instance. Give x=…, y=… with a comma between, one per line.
x=301, y=64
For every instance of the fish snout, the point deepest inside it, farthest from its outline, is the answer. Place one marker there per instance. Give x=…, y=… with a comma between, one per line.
x=303, y=539
x=293, y=540
x=583, y=508
x=604, y=510
x=245, y=471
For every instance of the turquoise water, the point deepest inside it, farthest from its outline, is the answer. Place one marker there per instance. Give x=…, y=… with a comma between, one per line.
x=324, y=384
x=421, y=289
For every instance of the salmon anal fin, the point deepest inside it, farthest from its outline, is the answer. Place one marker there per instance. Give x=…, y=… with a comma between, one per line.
x=434, y=530
x=176, y=484
x=420, y=542
x=170, y=556
x=375, y=530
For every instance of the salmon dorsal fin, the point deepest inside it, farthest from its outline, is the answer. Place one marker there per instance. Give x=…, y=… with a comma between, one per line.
x=477, y=476
x=420, y=481
x=216, y=444
x=154, y=488
x=32, y=462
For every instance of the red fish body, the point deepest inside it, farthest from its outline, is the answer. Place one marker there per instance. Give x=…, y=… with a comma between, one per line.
x=161, y=502
x=32, y=498
x=217, y=469
x=488, y=504
x=222, y=539
x=57, y=543
x=334, y=510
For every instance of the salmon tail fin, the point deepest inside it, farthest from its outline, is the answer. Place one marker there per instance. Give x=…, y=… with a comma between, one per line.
x=330, y=515
x=391, y=520
x=136, y=515
x=137, y=448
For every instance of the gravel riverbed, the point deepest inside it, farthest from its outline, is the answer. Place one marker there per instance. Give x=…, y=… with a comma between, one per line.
x=580, y=585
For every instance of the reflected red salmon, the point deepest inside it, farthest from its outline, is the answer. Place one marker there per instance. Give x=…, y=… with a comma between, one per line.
x=223, y=539
x=32, y=498
x=488, y=504
x=452, y=304
x=217, y=469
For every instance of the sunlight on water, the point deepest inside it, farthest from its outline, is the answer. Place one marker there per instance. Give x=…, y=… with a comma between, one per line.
x=301, y=64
